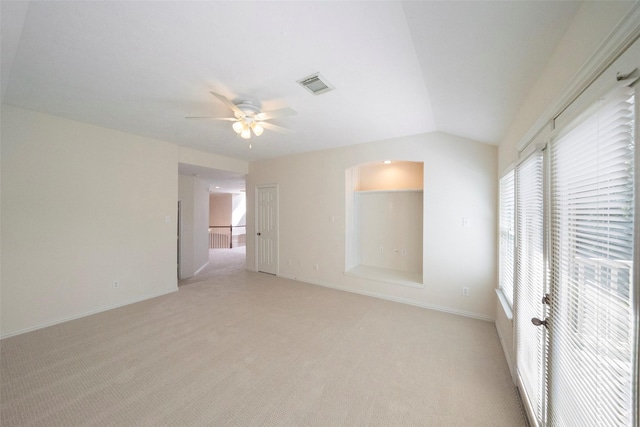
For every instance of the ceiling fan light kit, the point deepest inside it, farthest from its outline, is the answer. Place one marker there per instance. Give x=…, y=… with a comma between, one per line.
x=237, y=126
x=249, y=118
x=257, y=129
x=245, y=125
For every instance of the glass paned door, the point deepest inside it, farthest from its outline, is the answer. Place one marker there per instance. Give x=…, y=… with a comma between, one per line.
x=530, y=284
x=592, y=345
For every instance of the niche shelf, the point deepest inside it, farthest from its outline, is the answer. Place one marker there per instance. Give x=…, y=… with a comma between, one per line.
x=385, y=223
x=387, y=275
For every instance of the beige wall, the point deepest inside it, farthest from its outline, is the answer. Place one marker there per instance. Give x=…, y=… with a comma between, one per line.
x=213, y=161
x=220, y=208
x=193, y=194
x=393, y=176
x=186, y=262
x=389, y=229
x=239, y=209
x=201, y=224
x=591, y=28
x=82, y=206
x=459, y=181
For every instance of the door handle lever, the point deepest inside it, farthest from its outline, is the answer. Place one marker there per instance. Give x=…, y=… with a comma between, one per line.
x=539, y=322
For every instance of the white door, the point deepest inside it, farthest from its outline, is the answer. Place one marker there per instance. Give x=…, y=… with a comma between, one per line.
x=267, y=229
x=530, y=286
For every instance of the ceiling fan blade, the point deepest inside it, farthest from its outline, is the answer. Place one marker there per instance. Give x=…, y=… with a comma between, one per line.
x=273, y=127
x=233, y=107
x=230, y=119
x=282, y=112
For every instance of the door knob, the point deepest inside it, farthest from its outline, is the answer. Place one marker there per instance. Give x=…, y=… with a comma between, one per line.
x=539, y=322
x=259, y=234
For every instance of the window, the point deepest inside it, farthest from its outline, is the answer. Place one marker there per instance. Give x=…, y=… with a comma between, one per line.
x=507, y=235
x=592, y=267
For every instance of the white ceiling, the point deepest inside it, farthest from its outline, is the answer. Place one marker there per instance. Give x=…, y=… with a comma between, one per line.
x=399, y=68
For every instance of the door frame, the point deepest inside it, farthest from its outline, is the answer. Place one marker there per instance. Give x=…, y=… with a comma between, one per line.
x=178, y=237
x=259, y=188
x=537, y=149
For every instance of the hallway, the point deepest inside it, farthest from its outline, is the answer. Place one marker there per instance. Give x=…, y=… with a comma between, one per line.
x=222, y=262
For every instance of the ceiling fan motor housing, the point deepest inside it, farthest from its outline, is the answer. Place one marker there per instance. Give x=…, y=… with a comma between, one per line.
x=248, y=109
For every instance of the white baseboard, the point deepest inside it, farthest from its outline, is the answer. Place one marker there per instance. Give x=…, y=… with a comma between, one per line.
x=393, y=298
x=200, y=269
x=506, y=356
x=88, y=313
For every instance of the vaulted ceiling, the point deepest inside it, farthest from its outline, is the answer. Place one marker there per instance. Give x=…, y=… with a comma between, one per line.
x=399, y=68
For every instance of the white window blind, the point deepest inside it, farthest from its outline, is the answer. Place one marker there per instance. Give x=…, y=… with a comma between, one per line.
x=592, y=346
x=530, y=280
x=507, y=234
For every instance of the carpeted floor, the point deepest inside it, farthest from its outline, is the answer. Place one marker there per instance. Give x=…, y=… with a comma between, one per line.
x=237, y=348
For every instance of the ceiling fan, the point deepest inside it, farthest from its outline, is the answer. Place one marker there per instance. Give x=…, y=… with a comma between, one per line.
x=248, y=117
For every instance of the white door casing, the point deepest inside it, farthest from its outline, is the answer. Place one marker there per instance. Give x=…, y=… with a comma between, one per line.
x=267, y=229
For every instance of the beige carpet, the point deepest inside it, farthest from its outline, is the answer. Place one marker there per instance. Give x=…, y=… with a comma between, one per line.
x=236, y=348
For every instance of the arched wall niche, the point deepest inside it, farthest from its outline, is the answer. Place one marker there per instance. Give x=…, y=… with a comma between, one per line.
x=384, y=211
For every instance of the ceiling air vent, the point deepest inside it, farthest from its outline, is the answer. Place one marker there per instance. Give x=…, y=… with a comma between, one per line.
x=316, y=84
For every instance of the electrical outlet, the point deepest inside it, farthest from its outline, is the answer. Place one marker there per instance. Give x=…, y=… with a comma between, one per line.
x=465, y=291
x=116, y=283
x=404, y=252
x=316, y=266
x=381, y=250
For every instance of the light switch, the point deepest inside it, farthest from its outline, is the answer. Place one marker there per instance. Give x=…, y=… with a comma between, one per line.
x=466, y=222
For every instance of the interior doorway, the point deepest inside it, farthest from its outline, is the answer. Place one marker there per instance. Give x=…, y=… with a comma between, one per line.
x=196, y=184
x=267, y=229
x=227, y=220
